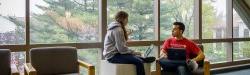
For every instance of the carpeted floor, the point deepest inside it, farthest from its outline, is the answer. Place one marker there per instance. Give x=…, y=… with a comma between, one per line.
x=239, y=72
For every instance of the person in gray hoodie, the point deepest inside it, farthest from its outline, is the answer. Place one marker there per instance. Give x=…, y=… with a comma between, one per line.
x=115, y=44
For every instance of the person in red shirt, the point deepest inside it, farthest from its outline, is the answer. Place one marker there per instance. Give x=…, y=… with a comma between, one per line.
x=179, y=41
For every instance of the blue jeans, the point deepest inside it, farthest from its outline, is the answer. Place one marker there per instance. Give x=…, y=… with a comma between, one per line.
x=129, y=59
x=175, y=65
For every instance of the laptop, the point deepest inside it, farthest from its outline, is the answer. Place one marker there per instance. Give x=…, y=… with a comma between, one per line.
x=176, y=53
x=148, y=51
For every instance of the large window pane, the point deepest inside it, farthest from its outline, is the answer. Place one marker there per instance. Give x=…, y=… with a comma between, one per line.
x=18, y=58
x=240, y=30
x=241, y=50
x=213, y=19
x=91, y=56
x=176, y=10
x=141, y=17
x=12, y=18
x=215, y=52
x=64, y=21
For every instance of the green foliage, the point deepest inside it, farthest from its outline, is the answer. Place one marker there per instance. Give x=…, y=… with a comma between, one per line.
x=241, y=50
x=245, y=49
x=140, y=17
x=215, y=52
x=49, y=27
x=20, y=30
x=208, y=19
x=65, y=21
x=176, y=10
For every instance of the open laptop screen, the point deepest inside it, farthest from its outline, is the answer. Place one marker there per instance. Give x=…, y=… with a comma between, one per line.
x=149, y=50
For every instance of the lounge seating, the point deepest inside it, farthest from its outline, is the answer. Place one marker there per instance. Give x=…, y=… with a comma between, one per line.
x=204, y=67
x=6, y=68
x=55, y=61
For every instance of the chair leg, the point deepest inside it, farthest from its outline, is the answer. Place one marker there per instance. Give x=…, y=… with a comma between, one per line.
x=206, y=68
x=158, y=68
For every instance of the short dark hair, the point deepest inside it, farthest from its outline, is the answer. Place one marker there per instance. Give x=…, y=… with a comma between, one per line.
x=181, y=26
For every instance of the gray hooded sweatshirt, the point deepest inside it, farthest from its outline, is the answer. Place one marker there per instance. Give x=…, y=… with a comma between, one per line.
x=115, y=41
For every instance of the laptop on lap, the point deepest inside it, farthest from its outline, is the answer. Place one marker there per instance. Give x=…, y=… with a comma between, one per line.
x=176, y=53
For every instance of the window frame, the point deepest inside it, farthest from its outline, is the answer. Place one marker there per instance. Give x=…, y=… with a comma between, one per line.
x=103, y=25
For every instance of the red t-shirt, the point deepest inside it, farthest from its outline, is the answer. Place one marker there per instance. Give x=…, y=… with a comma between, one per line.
x=191, y=48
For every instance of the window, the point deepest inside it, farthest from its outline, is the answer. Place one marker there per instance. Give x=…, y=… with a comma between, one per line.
x=91, y=56
x=64, y=21
x=214, y=19
x=235, y=32
x=241, y=50
x=12, y=18
x=215, y=52
x=176, y=10
x=246, y=32
x=18, y=58
x=243, y=30
x=141, y=17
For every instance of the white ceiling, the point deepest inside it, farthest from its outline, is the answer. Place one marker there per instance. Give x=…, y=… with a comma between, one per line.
x=248, y=3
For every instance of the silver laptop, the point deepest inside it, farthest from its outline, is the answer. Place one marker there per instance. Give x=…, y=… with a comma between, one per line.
x=149, y=50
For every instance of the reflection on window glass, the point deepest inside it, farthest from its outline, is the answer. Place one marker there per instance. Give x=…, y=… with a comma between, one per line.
x=215, y=52
x=240, y=29
x=241, y=50
x=141, y=17
x=18, y=58
x=63, y=21
x=12, y=26
x=176, y=10
x=214, y=19
x=91, y=56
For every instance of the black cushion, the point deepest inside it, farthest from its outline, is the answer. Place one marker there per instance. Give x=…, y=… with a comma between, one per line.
x=54, y=60
x=5, y=62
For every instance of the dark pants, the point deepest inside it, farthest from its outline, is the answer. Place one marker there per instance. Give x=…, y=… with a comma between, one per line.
x=178, y=66
x=129, y=59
